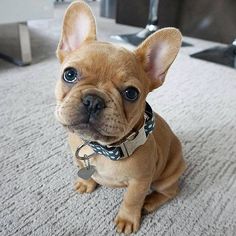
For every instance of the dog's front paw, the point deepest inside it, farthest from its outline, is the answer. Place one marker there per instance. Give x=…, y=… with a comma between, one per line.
x=85, y=186
x=127, y=224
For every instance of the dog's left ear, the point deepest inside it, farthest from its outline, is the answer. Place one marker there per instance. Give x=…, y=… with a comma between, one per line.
x=78, y=27
x=158, y=52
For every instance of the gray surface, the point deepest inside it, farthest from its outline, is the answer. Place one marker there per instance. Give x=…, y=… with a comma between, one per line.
x=37, y=198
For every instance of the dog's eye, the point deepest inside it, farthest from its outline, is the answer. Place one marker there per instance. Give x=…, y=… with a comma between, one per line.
x=70, y=75
x=131, y=94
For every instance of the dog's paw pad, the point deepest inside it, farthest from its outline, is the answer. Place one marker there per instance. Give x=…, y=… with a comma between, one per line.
x=85, y=186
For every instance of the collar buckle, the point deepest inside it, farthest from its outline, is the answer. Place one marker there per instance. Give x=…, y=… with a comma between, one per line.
x=132, y=136
x=130, y=145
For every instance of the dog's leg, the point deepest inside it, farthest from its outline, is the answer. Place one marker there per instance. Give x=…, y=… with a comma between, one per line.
x=84, y=186
x=166, y=187
x=154, y=200
x=129, y=215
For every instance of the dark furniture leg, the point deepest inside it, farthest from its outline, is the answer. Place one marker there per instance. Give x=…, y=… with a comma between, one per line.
x=150, y=28
x=225, y=55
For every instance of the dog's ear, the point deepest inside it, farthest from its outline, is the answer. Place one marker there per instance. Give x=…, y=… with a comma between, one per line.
x=78, y=27
x=158, y=52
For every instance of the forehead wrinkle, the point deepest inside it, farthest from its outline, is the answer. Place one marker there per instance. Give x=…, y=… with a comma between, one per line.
x=112, y=72
x=104, y=62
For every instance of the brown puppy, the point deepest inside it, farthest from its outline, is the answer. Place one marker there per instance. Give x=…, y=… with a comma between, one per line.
x=101, y=98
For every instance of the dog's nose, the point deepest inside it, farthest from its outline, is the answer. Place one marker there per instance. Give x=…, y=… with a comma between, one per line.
x=93, y=103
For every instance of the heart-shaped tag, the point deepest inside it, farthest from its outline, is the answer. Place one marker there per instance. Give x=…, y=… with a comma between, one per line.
x=86, y=172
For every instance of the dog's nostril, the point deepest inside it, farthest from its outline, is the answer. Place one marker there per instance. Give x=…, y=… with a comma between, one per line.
x=87, y=101
x=99, y=105
x=93, y=103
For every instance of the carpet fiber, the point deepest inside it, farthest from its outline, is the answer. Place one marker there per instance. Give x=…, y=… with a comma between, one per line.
x=199, y=102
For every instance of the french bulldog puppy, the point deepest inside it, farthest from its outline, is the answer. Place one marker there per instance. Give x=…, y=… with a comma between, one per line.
x=101, y=100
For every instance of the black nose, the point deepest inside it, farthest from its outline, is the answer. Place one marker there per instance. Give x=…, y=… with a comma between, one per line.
x=93, y=103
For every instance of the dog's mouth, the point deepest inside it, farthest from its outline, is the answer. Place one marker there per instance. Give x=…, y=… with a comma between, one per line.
x=88, y=131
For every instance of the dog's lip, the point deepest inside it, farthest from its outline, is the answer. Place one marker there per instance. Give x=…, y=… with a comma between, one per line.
x=93, y=128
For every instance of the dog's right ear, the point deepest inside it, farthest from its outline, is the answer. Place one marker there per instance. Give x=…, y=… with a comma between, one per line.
x=78, y=27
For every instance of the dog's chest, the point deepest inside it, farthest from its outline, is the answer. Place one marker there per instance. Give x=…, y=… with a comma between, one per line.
x=109, y=173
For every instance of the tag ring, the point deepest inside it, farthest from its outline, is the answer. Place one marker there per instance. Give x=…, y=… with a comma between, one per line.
x=85, y=157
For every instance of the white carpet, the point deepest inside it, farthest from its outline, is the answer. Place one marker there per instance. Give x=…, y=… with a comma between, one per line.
x=37, y=198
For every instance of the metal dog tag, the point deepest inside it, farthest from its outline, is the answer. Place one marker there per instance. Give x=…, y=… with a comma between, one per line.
x=86, y=172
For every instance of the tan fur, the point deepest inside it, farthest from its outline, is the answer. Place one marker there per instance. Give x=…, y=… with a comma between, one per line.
x=105, y=70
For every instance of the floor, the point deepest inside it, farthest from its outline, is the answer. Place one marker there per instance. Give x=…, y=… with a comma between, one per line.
x=37, y=174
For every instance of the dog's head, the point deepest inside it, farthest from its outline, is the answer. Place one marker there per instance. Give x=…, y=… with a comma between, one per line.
x=102, y=90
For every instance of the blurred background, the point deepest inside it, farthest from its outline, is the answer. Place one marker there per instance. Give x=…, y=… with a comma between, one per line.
x=29, y=29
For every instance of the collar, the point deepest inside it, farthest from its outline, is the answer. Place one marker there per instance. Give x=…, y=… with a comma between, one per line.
x=131, y=143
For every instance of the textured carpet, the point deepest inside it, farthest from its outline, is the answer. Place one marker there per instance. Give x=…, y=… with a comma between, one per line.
x=36, y=193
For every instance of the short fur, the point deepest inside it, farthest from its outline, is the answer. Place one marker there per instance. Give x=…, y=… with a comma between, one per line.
x=106, y=70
